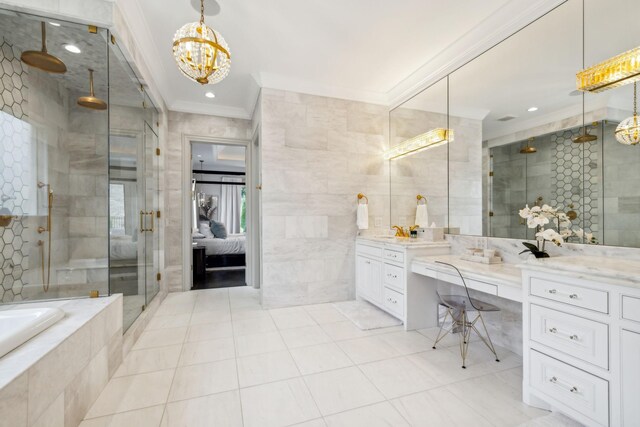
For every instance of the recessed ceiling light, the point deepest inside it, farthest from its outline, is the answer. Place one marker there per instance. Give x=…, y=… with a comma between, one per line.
x=72, y=48
x=55, y=24
x=210, y=95
x=199, y=155
x=532, y=109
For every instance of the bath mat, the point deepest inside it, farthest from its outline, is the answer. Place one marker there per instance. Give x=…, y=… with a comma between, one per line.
x=552, y=420
x=365, y=315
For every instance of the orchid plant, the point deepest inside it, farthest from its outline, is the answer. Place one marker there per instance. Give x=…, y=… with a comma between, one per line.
x=538, y=217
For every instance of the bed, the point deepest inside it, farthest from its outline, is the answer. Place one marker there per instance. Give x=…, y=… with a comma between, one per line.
x=229, y=252
x=123, y=269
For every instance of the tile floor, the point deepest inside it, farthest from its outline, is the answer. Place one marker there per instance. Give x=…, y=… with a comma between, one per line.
x=215, y=358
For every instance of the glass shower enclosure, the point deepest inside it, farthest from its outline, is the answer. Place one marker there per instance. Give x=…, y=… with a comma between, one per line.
x=78, y=167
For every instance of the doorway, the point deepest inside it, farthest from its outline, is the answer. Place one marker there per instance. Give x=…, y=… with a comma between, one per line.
x=220, y=213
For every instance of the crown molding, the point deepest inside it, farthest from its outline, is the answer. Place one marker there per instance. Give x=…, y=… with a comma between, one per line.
x=497, y=27
x=210, y=109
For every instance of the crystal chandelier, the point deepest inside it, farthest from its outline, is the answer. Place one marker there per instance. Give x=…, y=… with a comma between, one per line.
x=200, y=52
x=628, y=131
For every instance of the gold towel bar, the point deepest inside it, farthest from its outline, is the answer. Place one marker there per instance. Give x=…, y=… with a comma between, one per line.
x=421, y=197
x=362, y=196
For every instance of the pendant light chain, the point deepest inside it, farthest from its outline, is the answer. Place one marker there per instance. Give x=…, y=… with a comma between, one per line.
x=202, y=11
x=635, y=100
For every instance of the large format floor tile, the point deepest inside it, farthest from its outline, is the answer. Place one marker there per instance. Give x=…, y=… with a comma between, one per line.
x=342, y=389
x=265, y=368
x=280, y=403
x=203, y=379
x=133, y=392
x=221, y=410
x=216, y=358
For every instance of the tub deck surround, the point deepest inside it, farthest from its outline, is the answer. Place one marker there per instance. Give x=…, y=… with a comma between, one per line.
x=56, y=375
x=581, y=338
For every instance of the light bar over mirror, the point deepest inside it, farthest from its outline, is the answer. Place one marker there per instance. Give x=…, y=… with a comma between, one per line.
x=433, y=138
x=614, y=72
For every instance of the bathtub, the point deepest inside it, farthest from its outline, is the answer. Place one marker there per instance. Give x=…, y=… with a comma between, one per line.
x=17, y=326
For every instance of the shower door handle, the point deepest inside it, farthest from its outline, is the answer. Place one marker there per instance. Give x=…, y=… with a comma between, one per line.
x=143, y=222
x=142, y=230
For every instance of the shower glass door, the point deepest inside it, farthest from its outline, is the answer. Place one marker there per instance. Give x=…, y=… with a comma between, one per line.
x=151, y=259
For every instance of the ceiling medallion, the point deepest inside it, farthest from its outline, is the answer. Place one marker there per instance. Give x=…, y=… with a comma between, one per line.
x=200, y=52
x=628, y=131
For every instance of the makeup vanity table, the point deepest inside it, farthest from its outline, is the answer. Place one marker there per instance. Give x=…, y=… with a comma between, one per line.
x=581, y=330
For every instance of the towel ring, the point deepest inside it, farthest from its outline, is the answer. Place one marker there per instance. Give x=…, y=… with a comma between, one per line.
x=362, y=196
x=420, y=197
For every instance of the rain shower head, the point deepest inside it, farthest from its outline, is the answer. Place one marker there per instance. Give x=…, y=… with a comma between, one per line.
x=91, y=101
x=43, y=60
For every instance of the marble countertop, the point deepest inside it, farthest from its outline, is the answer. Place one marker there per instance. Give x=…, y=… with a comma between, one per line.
x=588, y=267
x=403, y=241
x=504, y=274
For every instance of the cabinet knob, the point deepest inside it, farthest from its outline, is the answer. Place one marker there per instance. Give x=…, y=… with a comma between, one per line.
x=553, y=330
x=573, y=296
x=574, y=337
x=552, y=291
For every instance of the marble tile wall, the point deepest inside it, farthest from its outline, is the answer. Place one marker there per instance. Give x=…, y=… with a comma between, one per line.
x=180, y=124
x=317, y=155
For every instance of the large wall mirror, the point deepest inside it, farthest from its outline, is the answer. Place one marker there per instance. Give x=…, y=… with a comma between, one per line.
x=419, y=177
x=522, y=134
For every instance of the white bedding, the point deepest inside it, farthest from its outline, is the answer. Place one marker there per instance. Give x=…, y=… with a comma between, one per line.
x=123, y=248
x=233, y=244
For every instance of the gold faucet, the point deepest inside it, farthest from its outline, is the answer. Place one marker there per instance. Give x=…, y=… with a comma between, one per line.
x=400, y=232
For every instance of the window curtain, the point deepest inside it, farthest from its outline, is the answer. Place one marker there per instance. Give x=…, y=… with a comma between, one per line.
x=231, y=205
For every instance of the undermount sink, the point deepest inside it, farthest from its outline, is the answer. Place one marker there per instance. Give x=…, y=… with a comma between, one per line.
x=384, y=237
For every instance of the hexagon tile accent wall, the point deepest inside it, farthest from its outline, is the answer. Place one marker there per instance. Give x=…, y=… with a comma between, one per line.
x=13, y=152
x=575, y=174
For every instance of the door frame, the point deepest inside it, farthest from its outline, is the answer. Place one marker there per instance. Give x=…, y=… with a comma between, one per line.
x=187, y=240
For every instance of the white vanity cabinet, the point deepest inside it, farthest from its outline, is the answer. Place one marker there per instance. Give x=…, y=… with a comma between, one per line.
x=384, y=278
x=581, y=348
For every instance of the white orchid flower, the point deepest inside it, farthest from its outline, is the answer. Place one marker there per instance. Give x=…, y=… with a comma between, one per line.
x=525, y=213
x=551, y=235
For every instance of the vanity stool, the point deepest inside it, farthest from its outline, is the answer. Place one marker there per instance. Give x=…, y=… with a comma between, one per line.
x=458, y=308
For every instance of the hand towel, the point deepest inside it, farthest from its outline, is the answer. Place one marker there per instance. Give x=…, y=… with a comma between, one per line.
x=422, y=216
x=362, y=216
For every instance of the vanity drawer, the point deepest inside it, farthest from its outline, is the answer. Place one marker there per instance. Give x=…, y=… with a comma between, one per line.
x=372, y=251
x=393, y=301
x=631, y=308
x=570, y=387
x=569, y=294
x=392, y=255
x=394, y=276
x=578, y=337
